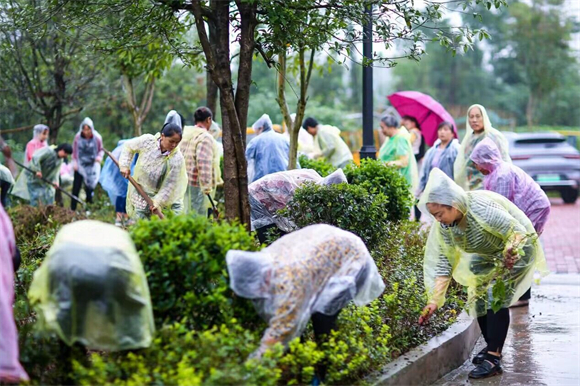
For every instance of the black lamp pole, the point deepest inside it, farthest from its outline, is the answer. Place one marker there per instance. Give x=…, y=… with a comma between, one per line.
x=368, y=149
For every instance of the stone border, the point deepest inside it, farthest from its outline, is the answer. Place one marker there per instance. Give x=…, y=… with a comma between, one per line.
x=427, y=363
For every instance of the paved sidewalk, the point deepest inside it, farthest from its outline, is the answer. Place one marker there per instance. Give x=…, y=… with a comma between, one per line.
x=543, y=345
x=561, y=238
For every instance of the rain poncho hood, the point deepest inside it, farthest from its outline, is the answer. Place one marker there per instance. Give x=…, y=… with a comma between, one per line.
x=473, y=251
x=511, y=182
x=268, y=152
x=465, y=173
x=274, y=191
x=10, y=368
x=174, y=117
x=162, y=176
x=328, y=142
x=319, y=268
x=397, y=146
x=88, y=154
x=93, y=290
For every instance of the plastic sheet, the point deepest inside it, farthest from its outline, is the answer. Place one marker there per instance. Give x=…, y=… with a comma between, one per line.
x=47, y=162
x=465, y=173
x=10, y=369
x=274, y=191
x=268, y=152
x=512, y=182
x=6, y=175
x=88, y=154
x=470, y=250
x=319, y=268
x=329, y=143
x=93, y=290
x=399, y=146
x=163, y=177
x=446, y=161
x=20, y=188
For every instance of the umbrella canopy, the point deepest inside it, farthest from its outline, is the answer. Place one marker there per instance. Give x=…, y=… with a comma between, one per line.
x=426, y=110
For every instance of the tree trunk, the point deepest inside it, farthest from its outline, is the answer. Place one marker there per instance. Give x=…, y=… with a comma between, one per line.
x=211, y=87
x=138, y=111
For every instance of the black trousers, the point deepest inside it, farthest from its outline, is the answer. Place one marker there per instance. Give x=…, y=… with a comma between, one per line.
x=4, y=188
x=77, y=184
x=322, y=326
x=494, y=327
x=417, y=214
x=527, y=295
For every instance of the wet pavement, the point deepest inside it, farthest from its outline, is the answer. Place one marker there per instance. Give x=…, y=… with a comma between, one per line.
x=543, y=344
x=561, y=238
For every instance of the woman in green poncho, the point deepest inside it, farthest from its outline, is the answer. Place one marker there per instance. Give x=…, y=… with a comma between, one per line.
x=397, y=151
x=484, y=242
x=45, y=164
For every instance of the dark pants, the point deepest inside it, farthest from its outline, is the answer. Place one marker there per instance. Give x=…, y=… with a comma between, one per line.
x=417, y=214
x=527, y=295
x=4, y=188
x=323, y=325
x=77, y=184
x=494, y=327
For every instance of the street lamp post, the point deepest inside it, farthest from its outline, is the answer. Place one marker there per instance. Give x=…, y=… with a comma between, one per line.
x=368, y=149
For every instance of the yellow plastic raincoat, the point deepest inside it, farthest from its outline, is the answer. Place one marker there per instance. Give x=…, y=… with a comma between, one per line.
x=330, y=145
x=397, y=146
x=161, y=175
x=92, y=289
x=465, y=173
x=472, y=251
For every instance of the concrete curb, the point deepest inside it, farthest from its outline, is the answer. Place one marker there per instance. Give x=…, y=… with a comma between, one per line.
x=432, y=360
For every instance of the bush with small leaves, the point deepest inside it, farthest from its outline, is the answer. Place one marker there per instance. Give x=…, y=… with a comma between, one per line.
x=321, y=166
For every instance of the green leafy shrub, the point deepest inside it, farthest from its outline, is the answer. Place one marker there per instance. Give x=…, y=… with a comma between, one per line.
x=376, y=177
x=29, y=221
x=349, y=207
x=184, y=258
x=321, y=166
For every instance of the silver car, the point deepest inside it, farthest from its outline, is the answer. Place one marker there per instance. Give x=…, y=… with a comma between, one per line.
x=551, y=161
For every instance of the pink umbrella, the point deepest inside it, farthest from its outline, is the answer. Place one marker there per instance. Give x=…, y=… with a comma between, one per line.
x=426, y=110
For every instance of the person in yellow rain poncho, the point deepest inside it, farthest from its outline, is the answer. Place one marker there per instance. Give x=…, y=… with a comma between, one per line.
x=328, y=144
x=478, y=128
x=93, y=290
x=202, y=160
x=160, y=170
x=397, y=151
x=485, y=243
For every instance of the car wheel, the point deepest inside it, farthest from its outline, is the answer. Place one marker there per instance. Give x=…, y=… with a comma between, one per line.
x=569, y=195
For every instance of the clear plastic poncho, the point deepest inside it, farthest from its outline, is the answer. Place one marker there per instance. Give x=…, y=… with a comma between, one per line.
x=329, y=143
x=319, y=268
x=93, y=290
x=10, y=369
x=6, y=175
x=20, y=189
x=305, y=139
x=512, y=182
x=466, y=175
x=111, y=178
x=400, y=146
x=274, y=191
x=472, y=251
x=268, y=152
x=88, y=154
x=162, y=176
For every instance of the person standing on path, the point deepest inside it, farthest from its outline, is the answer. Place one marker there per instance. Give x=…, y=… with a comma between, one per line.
x=38, y=141
x=202, y=163
x=86, y=160
x=267, y=153
x=482, y=240
x=478, y=128
x=46, y=164
x=6, y=182
x=328, y=144
x=514, y=184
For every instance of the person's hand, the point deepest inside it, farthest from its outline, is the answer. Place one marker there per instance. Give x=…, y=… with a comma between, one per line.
x=76, y=167
x=39, y=174
x=7, y=152
x=511, y=256
x=125, y=172
x=427, y=313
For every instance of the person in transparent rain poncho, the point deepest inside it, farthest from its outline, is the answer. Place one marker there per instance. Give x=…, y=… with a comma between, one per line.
x=38, y=141
x=160, y=170
x=327, y=143
x=268, y=152
x=514, y=184
x=11, y=372
x=6, y=183
x=93, y=290
x=310, y=274
x=86, y=158
x=485, y=243
x=45, y=164
x=274, y=191
x=478, y=128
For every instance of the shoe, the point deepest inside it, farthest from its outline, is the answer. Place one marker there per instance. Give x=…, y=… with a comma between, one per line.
x=520, y=303
x=118, y=224
x=479, y=357
x=490, y=366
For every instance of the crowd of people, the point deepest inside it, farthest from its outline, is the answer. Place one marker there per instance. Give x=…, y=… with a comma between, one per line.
x=483, y=210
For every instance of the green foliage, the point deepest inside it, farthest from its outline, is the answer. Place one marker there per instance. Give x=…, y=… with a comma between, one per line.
x=376, y=178
x=184, y=258
x=321, y=166
x=345, y=206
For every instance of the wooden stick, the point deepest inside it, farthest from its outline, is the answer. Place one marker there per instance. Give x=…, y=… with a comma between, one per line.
x=137, y=187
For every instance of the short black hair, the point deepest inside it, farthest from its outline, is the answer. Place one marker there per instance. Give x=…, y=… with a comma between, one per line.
x=66, y=147
x=169, y=129
x=411, y=118
x=309, y=122
x=445, y=124
x=201, y=114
